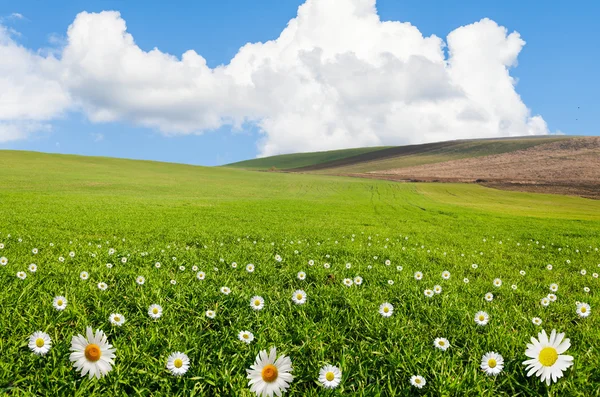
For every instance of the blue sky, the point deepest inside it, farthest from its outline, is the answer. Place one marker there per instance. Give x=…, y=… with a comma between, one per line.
x=556, y=72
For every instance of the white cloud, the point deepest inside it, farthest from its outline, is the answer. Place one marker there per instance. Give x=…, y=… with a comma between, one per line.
x=337, y=76
x=31, y=93
x=97, y=137
x=16, y=15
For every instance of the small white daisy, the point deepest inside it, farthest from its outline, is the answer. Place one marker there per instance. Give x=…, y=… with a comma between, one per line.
x=210, y=314
x=474, y=266
x=492, y=363
x=441, y=343
x=437, y=289
x=33, y=268
x=84, y=275
x=466, y=280
x=311, y=262
x=522, y=272
x=246, y=336
x=116, y=319
x=549, y=267
x=124, y=259
x=386, y=309
x=348, y=282
x=330, y=376
x=34, y=251
x=257, y=302
x=417, y=381
x=428, y=293
x=348, y=265
x=390, y=282
x=497, y=282
x=301, y=275
x=554, y=287
x=102, y=286
x=155, y=311
x=178, y=363
x=446, y=275
x=489, y=297
x=482, y=318
x=157, y=265
x=109, y=265
x=250, y=268
x=545, y=301
x=418, y=276
x=358, y=280
x=583, y=309
x=552, y=297
x=586, y=289
x=140, y=280
x=299, y=297
x=225, y=290
x=22, y=275
x=40, y=343
x=399, y=268
x=59, y=303
x=536, y=321
x=3, y=261
x=200, y=275
x=173, y=282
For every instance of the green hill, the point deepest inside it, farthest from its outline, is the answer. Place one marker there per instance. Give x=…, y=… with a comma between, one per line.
x=298, y=160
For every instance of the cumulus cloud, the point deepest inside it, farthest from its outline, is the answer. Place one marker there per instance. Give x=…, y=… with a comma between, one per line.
x=337, y=76
x=31, y=92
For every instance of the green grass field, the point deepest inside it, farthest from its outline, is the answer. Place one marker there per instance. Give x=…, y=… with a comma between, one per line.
x=189, y=216
x=297, y=160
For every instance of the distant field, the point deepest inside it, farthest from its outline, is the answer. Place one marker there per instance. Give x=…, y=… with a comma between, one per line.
x=185, y=216
x=298, y=160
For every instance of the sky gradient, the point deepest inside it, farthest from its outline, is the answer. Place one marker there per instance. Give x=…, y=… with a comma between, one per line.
x=556, y=75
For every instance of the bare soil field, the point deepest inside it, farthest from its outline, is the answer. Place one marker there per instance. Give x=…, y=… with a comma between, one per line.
x=569, y=166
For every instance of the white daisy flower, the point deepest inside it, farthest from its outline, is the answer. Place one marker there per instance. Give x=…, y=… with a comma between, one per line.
x=157, y=265
x=358, y=280
x=111, y=251
x=482, y=318
x=233, y=265
x=437, y=289
x=84, y=275
x=178, y=363
x=250, y=268
x=474, y=266
x=399, y=268
x=116, y=319
x=102, y=286
x=34, y=251
x=348, y=265
x=72, y=254
x=3, y=261
x=388, y=262
x=546, y=358
x=441, y=343
x=140, y=280
x=489, y=297
x=246, y=336
x=552, y=297
x=522, y=272
x=326, y=265
x=418, y=276
x=299, y=297
x=155, y=311
x=59, y=303
x=545, y=301
x=446, y=275
x=466, y=280
x=583, y=309
x=348, y=282
x=109, y=265
x=278, y=258
x=586, y=289
x=301, y=275
x=330, y=376
x=270, y=374
x=40, y=343
x=92, y=354
x=386, y=309
x=311, y=262
x=210, y=314
x=391, y=282
x=182, y=268
x=257, y=302
x=492, y=363
x=22, y=275
x=200, y=275
x=124, y=259
x=173, y=282
x=33, y=268
x=428, y=293
x=549, y=267
x=497, y=282
x=595, y=275
x=536, y=321
x=417, y=381
x=554, y=287
x=225, y=290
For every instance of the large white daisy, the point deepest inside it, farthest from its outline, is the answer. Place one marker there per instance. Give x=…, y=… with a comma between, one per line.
x=482, y=318
x=417, y=381
x=257, y=302
x=59, y=303
x=441, y=343
x=92, y=354
x=40, y=343
x=386, y=309
x=583, y=309
x=155, y=311
x=299, y=297
x=270, y=374
x=547, y=360
x=330, y=376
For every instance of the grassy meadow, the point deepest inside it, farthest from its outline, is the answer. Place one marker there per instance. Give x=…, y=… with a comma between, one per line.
x=185, y=217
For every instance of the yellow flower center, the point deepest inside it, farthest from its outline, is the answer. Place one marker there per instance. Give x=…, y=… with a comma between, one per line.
x=386, y=309
x=583, y=309
x=418, y=381
x=92, y=352
x=117, y=319
x=178, y=363
x=245, y=336
x=269, y=373
x=329, y=376
x=548, y=356
x=299, y=296
x=39, y=342
x=441, y=343
x=59, y=302
x=481, y=317
x=256, y=302
x=155, y=310
x=492, y=363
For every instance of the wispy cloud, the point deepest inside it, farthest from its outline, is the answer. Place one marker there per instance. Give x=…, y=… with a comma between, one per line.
x=97, y=137
x=16, y=15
